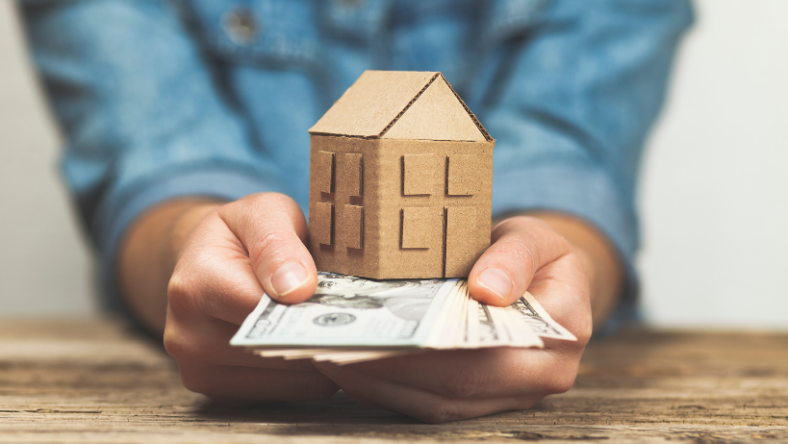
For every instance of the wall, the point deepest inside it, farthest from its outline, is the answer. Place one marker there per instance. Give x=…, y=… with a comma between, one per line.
x=43, y=263
x=715, y=190
x=714, y=195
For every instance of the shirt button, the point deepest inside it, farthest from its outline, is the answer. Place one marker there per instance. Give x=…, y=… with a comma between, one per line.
x=240, y=26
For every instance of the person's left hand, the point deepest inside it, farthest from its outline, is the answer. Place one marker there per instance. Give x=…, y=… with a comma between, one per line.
x=456, y=384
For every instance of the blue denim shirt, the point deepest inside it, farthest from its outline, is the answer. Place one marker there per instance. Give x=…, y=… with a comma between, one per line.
x=163, y=99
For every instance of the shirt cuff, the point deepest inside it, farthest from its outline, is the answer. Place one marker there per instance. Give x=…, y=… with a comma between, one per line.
x=587, y=192
x=222, y=184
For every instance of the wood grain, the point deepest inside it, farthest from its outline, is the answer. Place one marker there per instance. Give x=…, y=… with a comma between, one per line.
x=92, y=381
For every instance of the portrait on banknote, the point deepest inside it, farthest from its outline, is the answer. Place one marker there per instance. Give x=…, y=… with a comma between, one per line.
x=407, y=299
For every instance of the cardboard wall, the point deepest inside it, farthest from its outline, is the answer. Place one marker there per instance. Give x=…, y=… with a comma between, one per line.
x=394, y=230
x=353, y=248
x=415, y=228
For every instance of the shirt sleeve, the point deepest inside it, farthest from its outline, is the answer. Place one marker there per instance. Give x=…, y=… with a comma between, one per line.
x=144, y=118
x=571, y=98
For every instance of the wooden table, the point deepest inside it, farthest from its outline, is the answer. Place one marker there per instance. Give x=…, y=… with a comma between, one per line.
x=91, y=381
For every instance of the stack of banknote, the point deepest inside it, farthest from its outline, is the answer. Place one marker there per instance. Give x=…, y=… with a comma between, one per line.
x=351, y=319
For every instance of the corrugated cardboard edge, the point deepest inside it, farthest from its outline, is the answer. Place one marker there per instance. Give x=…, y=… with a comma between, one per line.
x=462, y=102
x=436, y=115
x=372, y=102
x=470, y=113
x=412, y=101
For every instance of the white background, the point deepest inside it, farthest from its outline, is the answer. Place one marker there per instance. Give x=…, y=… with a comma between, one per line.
x=714, y=195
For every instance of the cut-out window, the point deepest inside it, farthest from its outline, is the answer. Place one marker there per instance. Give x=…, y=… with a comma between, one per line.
x=461, y=241
x=419, y=174
x=323, y=223
x=324, y=171
x=351, y=174
x=417, y=226
x=352, y=226
x=462, y=175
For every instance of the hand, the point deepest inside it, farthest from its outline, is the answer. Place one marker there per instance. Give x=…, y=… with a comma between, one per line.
x=448, y=385
x=228, y=259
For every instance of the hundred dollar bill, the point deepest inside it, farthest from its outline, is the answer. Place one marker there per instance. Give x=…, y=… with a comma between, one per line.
x=347, y=312
x=352, y=319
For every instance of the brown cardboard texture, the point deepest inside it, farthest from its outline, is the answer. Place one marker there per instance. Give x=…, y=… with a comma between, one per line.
x=400, y=180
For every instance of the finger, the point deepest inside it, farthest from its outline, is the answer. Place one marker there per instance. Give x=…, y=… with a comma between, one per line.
x=272, y=228
x=214, y=277
x=483, y=373
x=226, y=382
x=521, y=246
x=566, y=298
x=420, y=404
x=208, y=342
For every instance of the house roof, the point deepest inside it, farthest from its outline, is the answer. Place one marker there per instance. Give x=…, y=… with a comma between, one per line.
x=401, y=105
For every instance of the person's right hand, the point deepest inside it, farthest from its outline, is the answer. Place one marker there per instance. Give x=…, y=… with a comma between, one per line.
x=230, y=257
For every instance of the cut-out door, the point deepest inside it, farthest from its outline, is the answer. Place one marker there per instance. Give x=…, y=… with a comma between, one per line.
x=460, y=240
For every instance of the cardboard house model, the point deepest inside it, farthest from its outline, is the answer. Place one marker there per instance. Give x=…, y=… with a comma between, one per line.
x=400, y=180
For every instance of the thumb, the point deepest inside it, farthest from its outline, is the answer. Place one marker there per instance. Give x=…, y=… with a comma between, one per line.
x=273, y=230
x=521, y=246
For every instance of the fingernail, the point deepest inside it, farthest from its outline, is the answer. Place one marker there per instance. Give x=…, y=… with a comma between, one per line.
x=497, y=281
x=288, y=278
